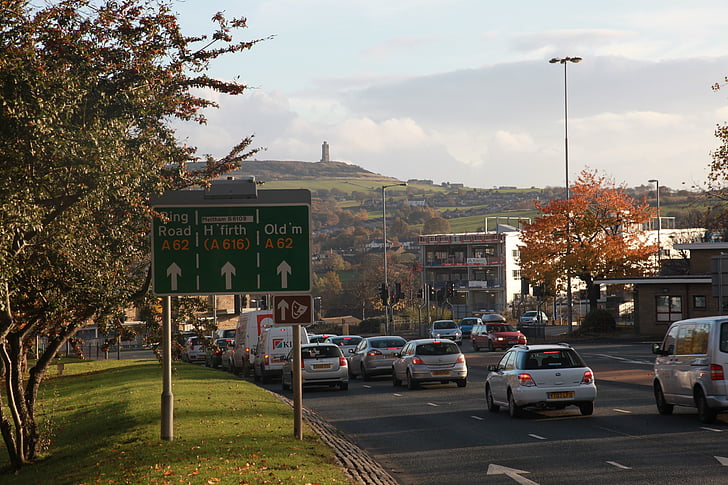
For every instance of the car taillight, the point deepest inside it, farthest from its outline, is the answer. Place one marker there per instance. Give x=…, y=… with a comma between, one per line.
x=716, y=372
x=342, y=361
x=372, y=353
x=588, y=377
x=526, y=380
x=418, y=361
x=461, y=359
x=247, y=351
x=303, y=364
x=266, y=359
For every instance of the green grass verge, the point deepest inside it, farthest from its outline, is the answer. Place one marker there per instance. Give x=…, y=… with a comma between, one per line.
x=103, y=418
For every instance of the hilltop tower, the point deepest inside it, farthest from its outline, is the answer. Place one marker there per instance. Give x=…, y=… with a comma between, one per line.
x=325, y=152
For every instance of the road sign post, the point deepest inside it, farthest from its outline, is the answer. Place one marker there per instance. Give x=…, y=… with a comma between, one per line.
x=231, y=238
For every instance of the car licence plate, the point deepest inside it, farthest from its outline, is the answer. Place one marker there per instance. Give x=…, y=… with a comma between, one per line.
x=561, y=395
x=322, y=366
x=440, y=372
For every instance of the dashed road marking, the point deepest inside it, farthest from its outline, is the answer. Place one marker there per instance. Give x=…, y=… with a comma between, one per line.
x=433, y=404
x=712, y=429
x=619, y=465
x=624, y=411
x=537, y=437
x=478, y=418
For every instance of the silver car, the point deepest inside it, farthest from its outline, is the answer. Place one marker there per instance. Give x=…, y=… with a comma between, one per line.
x=446, y=329
x=544, y=376
x=374, y=356
x=430, y=360
x=345, y=342
x=322, y=365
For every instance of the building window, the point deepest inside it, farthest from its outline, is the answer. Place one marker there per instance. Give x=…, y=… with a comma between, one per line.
x=516, y=274
x=699, y=301
x=668, y=308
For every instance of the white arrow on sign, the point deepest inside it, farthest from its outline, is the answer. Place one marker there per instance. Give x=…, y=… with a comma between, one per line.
x=284, y=269
x=513, y=473
x=282, y=307
x=228, y=271
x=174, y=272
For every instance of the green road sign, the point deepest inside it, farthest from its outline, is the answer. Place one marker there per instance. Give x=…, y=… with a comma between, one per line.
x=227, y=245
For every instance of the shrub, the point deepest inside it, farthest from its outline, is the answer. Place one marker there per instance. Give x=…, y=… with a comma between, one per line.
x=599, y=321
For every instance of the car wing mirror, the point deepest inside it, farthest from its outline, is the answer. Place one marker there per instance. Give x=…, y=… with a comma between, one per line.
x=493, y=368
x=657, y=349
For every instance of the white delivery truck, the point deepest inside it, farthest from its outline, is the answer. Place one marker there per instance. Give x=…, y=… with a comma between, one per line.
x=273, y=347
x=247, y=332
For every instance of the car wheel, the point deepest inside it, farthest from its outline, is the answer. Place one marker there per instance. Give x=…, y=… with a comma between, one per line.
x=364, y=374
x=490, y=346
x=285, y=386
x=492, y=406
x=586, y=408
x=705, y=413
x=344, y=386
x=513, y=409
x=475, y=347
x=395, y=382
x=462, y=382
x=662, y=406
x=411, y=382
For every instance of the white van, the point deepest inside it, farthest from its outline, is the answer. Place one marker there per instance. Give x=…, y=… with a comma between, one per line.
x=273, y=347
x=240, y=357
x=690, y=367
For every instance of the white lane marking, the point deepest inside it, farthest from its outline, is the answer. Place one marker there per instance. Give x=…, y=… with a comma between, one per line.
x=723, y=461
x=712, y=429
x=478, y=418
x=537, y=437
x=627, y=361
x=398, y=394
x=433, y=404
x=513, y=473
x=618, y=465
x=622, y=411
x=366, y=386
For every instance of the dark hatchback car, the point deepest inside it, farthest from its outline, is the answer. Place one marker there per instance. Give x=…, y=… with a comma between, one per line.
x=213, y=353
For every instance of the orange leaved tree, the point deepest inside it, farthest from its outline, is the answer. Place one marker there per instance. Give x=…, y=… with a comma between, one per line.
x=597, y=233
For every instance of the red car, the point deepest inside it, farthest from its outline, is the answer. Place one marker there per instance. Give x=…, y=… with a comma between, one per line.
x=496, y=336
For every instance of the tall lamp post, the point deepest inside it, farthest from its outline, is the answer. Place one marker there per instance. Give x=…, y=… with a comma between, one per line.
x=659, y=219
x=565, y=61
x=384, y=238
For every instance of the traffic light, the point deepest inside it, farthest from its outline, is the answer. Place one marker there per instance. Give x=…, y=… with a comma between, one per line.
x=398, y=295
x=433, y=292
x=450, y=289
x=384, y=294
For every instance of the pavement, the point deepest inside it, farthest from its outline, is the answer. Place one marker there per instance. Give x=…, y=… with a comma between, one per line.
x=357, y=463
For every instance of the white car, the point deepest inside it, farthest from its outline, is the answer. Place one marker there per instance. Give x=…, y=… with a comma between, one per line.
x=543, y=376
x=429, y=360
x=533, y=318
x=194, y=350
x=322, y=365
x=446, y=329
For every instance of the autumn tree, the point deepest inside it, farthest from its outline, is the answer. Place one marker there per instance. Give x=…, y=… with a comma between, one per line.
x=88, y=94
x=436, y=225
x=596, y=233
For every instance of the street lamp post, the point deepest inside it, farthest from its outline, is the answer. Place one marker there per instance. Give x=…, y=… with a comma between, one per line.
x=659, y=219
x=384, y=240
x=565, y=61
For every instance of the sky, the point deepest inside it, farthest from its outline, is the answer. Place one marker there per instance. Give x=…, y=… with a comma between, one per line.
x=461, y=91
